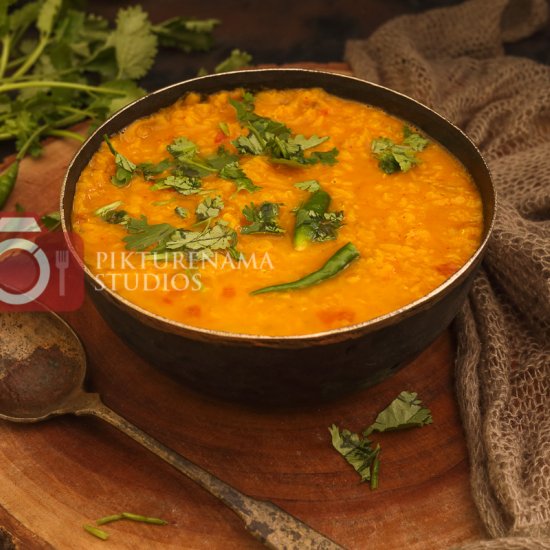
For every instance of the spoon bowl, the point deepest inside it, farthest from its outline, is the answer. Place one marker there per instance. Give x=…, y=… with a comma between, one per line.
x=42, y=374
x=42, y=366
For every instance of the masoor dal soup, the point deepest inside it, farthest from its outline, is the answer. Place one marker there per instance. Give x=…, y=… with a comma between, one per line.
x=188, y=212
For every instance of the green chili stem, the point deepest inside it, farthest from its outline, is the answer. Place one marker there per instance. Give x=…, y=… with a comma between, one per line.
x=341, y=259
x=99, y=533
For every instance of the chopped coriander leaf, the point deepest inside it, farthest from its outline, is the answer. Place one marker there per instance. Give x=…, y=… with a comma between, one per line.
x=357, y=450
x=51, y=221
x=236, y=60
x=181, y=212
x=186, y=34
x=394, y=157
x=203, y=244
x=111, y=214
x=308, y=185
x=143, y=236
x=209, y=208
x=405, y=411
x=186, y=154
x=124, y=168
x=235, y=173
x=274, y=139
x=321, y=227
x=224, y=128
x=262, y=218
x=221, y=159
x=184, y=185
x=149, y=169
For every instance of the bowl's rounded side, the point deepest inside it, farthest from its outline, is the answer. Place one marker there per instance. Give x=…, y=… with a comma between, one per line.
x=266, y=368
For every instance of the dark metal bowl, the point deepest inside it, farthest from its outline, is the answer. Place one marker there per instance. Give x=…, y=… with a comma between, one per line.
x=290, y=369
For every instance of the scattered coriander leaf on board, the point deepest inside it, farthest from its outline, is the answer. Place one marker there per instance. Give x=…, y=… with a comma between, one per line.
x=51, y=221
x=393, y=157
x=405, y=411
x=263, y=218
x=357, y=450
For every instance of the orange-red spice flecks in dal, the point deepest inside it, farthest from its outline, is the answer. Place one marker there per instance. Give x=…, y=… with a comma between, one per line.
x=413, y=229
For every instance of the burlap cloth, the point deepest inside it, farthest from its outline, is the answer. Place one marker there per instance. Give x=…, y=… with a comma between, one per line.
x=452, y=59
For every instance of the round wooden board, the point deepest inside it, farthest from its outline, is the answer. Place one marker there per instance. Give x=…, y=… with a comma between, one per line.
x=68, y=471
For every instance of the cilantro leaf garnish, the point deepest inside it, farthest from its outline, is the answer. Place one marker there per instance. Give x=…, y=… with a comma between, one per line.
x=405, y=411
x=184, y=185
x=262, y=218
x=209, y=208
x=203, y=244
x=394, y=157
x=124, y=168
x=111, y=214
x=233, y=172
x=357, y=451
x=308, y=185
x=274, y=139
x=324, y=226
x=186, y=153
x=150, y=169
x=181, y=211
x=142, y=235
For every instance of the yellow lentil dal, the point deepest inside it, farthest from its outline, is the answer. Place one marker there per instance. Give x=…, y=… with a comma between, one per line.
x=413, y=229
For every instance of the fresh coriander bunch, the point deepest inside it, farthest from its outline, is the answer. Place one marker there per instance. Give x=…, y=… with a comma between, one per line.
x=60, y=65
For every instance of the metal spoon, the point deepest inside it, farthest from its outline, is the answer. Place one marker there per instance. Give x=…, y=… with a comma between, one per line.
x=42, y=371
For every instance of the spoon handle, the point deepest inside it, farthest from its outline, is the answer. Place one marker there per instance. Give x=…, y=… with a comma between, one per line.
x=274, y=527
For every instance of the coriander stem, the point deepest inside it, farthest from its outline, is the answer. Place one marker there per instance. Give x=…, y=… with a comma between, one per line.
x=56, y=84
x=23, y=150
x=15, y=62
x=99, y=533
x=66, y=134
x=109, y=519
x=74, y=110
x=143, y=519
x=32, y=58
x=6, y=44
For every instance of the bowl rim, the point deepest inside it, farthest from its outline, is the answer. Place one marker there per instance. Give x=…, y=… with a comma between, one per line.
x=355, y=329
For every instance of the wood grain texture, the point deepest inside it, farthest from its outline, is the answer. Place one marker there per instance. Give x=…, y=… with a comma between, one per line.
x=69, y=471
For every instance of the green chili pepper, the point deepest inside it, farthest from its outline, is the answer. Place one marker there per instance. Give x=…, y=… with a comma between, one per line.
x=341, y=259
x=316, y=206
x=7, y=181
